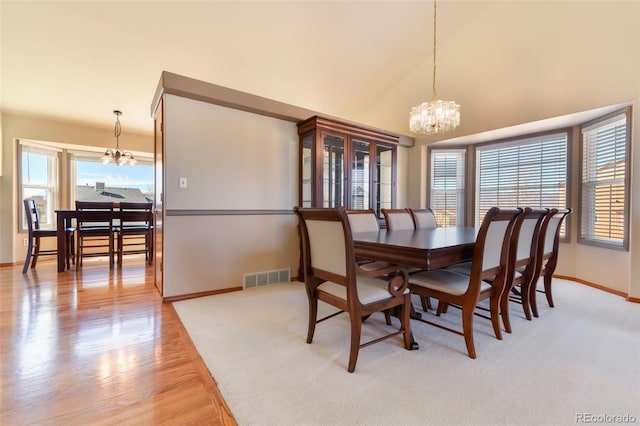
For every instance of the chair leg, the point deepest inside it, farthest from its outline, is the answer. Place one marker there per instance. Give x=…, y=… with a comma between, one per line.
x=504, y=311
x=67, y=253
x=547, y=289
x=467, y=329
x=72, y=248
x=79, y=253
x=405, y=314
x=387, y=316
x=442, y=308
x=150, y=240
x=111, y=251
x=313, y=315
x=426, y=303
x=533, y=299
x=120, y=250
x=27, y=260
x=494, y=306
x=36, y=252
x=356, y=327
x=526, y=304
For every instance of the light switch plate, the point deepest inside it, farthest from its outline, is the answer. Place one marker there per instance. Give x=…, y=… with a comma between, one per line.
x=183, y=182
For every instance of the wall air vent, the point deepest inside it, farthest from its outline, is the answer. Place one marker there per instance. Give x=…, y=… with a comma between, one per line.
x=259, y=279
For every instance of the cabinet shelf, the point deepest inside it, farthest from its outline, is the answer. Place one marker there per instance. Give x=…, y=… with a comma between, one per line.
x=342, y=164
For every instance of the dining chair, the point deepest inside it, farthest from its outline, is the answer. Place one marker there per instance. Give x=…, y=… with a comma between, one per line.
x=135, y=230
x=332, y=275
x=398, y=219
x=95, y=231
x=365, y=221
x=488, y=275
x=35, y=235
x=423, y=218
x=523, y=270
x=548, y=255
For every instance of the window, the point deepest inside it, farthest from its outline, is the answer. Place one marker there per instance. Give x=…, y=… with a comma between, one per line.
x=38, y=179
x=447, y=186
x=604, y=197
x=91, y=180
x=529, y=172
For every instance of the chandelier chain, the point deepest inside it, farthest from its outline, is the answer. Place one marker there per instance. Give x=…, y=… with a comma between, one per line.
x=437, y=116
x=118, y=128
x=434, y=50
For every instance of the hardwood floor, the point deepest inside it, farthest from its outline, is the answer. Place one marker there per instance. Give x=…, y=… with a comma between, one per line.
x=98, y=346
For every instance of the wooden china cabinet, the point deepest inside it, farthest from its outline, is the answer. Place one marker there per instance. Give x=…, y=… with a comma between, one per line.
x=343, y=164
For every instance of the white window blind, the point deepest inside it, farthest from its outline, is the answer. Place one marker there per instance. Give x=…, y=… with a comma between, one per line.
x=447, y=186
x=604, y=197
x=529, y=172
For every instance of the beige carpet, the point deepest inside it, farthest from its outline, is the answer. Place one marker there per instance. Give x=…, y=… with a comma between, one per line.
x=579, y=359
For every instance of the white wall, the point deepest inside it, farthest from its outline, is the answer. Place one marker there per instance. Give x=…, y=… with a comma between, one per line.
x=236, y=164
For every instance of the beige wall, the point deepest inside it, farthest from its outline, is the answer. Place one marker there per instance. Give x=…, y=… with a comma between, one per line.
x=236, y=163
x=16, y=127
x=231, y=159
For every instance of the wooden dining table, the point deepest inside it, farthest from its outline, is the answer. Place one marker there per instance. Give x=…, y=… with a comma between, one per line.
x=422, y=248
x=430, y=248
x=64, y=218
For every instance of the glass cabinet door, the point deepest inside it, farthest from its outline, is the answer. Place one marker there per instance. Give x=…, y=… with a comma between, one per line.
x=333, y=171
x=360, y=175
x=306, y=172
x=383, y=179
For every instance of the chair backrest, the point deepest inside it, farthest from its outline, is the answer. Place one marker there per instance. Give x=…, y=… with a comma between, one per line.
x=525, y=236
x=327, y=248
x=362, y=221
x=549, y=248
x=423, y=218
x=94, y=214
x=491, y=252
x=135, y=213
x=33, y=218
x=398, y=219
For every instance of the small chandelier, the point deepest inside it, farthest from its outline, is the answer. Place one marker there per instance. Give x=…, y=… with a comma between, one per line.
x=119, y=156
x=436, y=116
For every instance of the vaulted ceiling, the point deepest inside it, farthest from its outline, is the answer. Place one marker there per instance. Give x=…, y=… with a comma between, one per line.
x=506, y=63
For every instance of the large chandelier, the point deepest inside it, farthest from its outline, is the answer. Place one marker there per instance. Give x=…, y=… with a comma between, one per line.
x=436, y=116
x=118, y=156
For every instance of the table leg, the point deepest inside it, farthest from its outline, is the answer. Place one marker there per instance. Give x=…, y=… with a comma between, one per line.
x=62, y=241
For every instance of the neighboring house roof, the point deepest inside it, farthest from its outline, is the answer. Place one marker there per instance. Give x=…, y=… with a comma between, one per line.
x=89, y=193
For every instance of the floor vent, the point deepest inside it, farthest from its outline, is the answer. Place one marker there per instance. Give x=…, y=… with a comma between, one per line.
x=258, y=279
